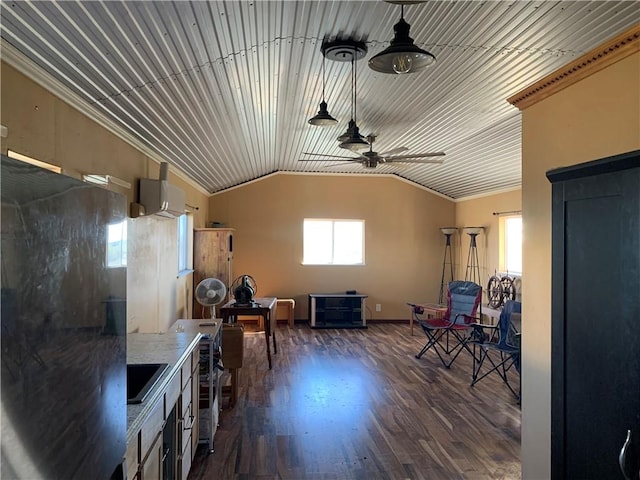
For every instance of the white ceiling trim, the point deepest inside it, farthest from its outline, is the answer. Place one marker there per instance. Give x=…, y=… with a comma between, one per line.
x=20, y=62
x=337, y=174
x=487, y=194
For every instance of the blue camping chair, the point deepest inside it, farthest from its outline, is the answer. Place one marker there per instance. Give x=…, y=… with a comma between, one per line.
x=499, y=345
x=463, y=299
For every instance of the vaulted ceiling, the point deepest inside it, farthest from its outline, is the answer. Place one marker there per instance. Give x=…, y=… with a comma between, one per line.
x=223, y=90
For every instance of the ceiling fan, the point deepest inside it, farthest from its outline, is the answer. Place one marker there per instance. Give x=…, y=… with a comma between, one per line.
x=371, y=159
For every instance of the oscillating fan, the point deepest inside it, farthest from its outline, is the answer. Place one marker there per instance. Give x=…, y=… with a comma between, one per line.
x=244, y=288
x=209, y=293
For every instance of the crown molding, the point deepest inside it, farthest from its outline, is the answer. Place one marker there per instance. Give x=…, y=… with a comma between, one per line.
x=621, y=46
x=19, y=61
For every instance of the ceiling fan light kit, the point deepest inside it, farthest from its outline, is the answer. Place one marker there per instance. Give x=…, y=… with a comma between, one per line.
x=401, y=56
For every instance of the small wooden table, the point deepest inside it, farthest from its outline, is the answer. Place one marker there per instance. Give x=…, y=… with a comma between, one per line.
x=492, y=313
x=264, y=307
x=430, y=309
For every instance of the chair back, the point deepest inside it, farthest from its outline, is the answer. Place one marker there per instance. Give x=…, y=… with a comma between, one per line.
x=463, y=299
x=508, y=329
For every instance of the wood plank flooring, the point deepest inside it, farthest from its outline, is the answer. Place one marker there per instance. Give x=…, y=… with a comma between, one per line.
x=357, y=404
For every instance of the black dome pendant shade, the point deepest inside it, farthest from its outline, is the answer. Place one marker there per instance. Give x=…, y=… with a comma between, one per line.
x=323, y=117
x=351, y=139
x=401, y=56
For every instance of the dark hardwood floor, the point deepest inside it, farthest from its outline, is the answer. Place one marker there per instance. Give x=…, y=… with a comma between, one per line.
x=357, y=404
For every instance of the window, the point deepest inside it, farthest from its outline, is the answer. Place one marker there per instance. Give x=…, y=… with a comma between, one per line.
x=33, y=161
x=183, y=243
x=333, y=242
x=511, y=240
x=117, y=244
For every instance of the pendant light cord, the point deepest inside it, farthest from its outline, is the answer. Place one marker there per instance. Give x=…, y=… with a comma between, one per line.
x=354, y=82
x=323, y=75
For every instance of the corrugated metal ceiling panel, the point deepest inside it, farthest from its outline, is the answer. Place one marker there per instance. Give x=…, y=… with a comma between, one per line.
x=223, y=90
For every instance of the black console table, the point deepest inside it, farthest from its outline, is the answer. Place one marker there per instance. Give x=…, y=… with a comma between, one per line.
x=337, y=310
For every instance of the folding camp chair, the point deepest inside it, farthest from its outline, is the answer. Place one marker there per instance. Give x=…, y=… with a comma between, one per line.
x=463, y=299
x=499, y=345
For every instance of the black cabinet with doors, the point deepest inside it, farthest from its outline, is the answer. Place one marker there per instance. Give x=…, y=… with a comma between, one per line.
x=595, y=372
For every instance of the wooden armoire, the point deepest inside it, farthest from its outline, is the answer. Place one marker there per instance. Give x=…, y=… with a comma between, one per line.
x=595, y=357
x=212, y=258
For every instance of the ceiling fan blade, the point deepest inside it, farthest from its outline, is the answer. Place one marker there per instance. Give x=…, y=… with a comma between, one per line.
x=393, y=151
x=436, y=161
x=395, y=165
x=417, y=155
x=345, y=163
x=351, y=160
x=331, y=156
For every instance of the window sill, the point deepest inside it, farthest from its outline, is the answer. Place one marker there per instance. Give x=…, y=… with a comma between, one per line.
x=333, y=264
x=184, y=273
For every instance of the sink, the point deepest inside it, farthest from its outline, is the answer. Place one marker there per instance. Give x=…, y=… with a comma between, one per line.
x=141, y=377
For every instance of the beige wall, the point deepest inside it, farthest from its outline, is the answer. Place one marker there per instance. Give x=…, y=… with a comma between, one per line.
x=42, y=126
x=594, y=118
x=403, y=244
x=479, y=212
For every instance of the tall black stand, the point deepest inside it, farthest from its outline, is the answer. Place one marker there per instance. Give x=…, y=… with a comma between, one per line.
x=446, y=261
x=473, y=265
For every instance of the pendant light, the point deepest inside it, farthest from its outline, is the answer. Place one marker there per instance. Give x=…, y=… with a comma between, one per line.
x=323, y=117
x=401, y=56
x=351, y=139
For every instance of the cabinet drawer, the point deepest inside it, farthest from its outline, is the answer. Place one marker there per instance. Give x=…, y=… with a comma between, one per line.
x=187, y=430
x=186, y=371
x=151, y=428
x=152, y=466
x=195, y=431
x=186, y=401
x=186, y=461
x=132, y=458
x=195, y=361
x=172, y=393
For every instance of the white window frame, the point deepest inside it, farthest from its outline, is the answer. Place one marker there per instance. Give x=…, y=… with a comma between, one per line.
x=331, y=247
x=505, y=241
x=116, y=245
x=185, y=244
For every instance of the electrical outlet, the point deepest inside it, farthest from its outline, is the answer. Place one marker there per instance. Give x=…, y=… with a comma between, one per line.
x=378, y=307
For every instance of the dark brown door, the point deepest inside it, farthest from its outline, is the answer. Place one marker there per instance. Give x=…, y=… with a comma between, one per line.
x=596, y=319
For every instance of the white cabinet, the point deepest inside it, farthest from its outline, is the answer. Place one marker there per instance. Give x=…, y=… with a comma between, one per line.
x=150, y=440
x=165, y=441
x=195, y=408
x=151, y=468
x=186, y=410
x=186, y=421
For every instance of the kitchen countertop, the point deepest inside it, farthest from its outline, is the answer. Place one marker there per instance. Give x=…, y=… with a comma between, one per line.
x=173, y=348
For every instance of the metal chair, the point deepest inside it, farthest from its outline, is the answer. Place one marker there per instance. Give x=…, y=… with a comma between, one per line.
x=463, y=300
x=499, y=345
